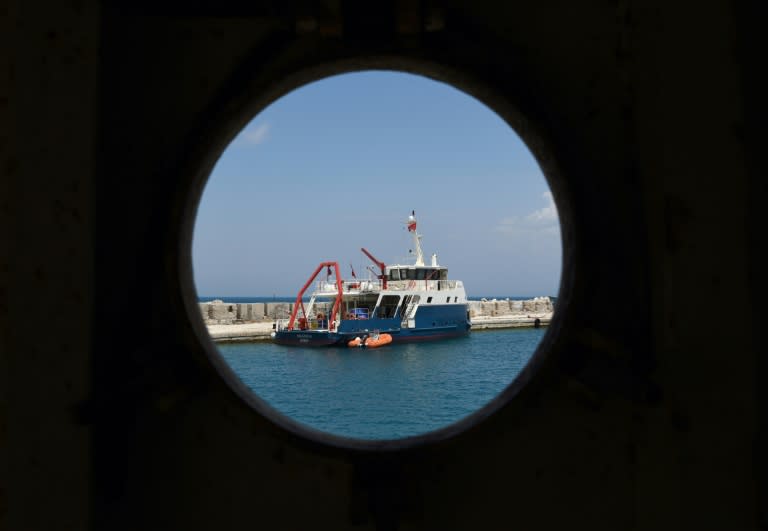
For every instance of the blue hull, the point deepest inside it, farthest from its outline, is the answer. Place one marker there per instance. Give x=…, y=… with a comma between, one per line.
x=431, y=323
x=304, y=339
x=325, y=339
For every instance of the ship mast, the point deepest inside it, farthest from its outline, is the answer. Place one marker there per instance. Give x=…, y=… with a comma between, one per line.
x=416, y=238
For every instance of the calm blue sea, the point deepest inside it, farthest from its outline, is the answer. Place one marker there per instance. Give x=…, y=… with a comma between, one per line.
x=392, y=392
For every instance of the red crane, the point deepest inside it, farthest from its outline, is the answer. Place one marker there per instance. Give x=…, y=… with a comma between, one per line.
x=382, y=266
x=300, y=302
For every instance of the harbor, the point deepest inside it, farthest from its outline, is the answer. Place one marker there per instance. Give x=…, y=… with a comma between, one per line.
x=235, y=322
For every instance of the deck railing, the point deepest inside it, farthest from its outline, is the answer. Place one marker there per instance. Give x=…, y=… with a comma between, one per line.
x=312, y=324
x=429, y=285
x=329, y=287
x=323, y=286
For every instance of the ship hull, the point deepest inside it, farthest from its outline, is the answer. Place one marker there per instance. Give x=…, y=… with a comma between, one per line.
x=430, y=324
x=327, y=339
x=303, y=338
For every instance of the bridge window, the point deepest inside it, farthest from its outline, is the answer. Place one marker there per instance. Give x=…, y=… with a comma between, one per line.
x=387, y=308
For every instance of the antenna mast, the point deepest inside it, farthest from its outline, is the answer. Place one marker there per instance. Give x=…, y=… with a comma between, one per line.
x=416, y=238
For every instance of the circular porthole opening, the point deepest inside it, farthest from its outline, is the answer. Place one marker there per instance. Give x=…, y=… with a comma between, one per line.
x=377, y=255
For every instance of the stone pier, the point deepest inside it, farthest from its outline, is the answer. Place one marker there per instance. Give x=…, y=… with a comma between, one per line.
x=219, y=312
x=253, y=321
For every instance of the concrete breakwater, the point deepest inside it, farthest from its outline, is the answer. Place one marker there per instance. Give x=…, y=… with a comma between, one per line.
x=253, y=321
x=219, y=312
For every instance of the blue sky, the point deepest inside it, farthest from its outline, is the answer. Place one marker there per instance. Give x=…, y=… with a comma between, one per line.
x=339, y=164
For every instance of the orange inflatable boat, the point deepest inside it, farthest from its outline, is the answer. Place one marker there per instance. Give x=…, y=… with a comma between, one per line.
x=357, y=342
x=376, y=340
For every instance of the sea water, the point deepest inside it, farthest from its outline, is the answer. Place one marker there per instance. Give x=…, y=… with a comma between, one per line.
x=395, y=391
